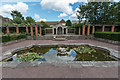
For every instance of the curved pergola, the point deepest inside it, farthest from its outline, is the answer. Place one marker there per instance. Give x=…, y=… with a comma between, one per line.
x=83, y=28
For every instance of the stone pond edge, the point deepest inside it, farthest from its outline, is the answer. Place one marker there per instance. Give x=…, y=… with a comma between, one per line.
x=70, y=64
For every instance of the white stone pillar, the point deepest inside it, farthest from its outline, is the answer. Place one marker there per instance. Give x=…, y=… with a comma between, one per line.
x=63, y=31
x=53, y=31
x=56, y=31
x=66, y=31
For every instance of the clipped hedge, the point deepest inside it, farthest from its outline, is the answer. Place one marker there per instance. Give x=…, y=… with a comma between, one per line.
x=7, y=38
x=108, y=35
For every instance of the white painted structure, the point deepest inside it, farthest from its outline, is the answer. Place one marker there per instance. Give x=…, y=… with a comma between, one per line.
x=59, y=29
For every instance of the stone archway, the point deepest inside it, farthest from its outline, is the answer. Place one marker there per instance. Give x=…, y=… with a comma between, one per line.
x=59, y=30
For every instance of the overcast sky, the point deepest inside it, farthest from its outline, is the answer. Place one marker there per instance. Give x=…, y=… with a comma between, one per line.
x=46, y=10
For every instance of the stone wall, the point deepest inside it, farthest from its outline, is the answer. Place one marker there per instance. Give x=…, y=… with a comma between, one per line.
x=68, y=37
x=74, y=37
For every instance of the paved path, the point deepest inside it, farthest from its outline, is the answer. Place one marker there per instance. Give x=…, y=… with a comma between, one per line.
x=49, y=71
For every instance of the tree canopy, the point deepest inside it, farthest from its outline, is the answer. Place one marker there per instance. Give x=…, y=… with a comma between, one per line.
x=16, y=14
x=44, y=24
x=29, y=20
x=68, y=23
x=19, y=19
x=100, y=12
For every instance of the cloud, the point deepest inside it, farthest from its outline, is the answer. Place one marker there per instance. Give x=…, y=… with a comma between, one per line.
x=62, y=15
x=10, y=17
x=73, y=16
x=59, y=5
x=36, y=16
x=43, y=20
x=5, y=10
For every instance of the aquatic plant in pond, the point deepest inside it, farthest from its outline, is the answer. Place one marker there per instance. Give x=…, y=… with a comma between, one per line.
x=84, y=49
x=28, y=57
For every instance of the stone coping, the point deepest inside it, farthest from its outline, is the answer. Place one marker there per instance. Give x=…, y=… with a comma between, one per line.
x=12, y=42
x=73, y=63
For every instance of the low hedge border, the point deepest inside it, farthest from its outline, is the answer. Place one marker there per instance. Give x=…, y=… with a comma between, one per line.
x=7, y=38
x=115, y=36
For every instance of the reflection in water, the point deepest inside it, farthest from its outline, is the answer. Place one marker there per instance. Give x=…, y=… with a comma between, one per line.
x=72, y=53
x=51, y=56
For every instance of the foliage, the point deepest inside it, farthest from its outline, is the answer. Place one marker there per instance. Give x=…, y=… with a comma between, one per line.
x=100, y=12
x=43, y=32
x=17, y=17
x=82, y=12
x=108, y=35
x=16, y=14
x=29, y=57
x=68, y=23
x=78, y=25
x=44, y=24
x=84, y=50
x=75, y=25
x=29, y=20
x=6, y=24
x=8, y=37
x=17, y=20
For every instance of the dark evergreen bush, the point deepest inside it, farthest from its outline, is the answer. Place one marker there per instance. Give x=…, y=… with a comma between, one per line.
x=108, y=35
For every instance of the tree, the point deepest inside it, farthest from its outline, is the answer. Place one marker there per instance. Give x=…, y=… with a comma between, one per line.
x=78, y=25
x=17, y=17
x=16, y=13
x=68, y=23
x=82, y=12
x=29, y=20
x=118, y=13
x=44, y=24
x=17, y=20
x=100, y=12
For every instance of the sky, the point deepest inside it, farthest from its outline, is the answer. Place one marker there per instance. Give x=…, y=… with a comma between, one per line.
x=43, y=10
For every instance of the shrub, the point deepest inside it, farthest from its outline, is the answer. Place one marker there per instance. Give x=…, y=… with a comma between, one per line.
x=7, y=38
x=77, y=30
x=43, y=32
x=108, y=35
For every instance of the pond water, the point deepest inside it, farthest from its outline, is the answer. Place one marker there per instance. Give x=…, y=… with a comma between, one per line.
x=61, y=53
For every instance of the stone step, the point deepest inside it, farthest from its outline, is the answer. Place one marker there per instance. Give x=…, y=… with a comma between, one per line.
x=60, y=39
x=60, y=36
